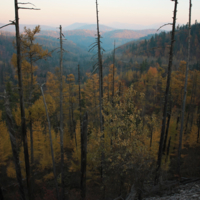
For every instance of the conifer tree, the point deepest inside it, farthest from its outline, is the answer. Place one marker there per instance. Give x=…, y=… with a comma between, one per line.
x=159, y=160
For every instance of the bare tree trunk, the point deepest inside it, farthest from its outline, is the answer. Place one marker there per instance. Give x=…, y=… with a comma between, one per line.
x=168, y=122
x=100, y=82
x=108, y=89
x=198, y=133
x=84, y=155
x=166, y=96
x=61, y=117
x=79, y=91
x=73, y=124
x=32, y=157
x=100, y=70
x=168, y=147
x=94, y=93
x=52, y=152
x=193, y=105
x=113, y=81
x=185, y=93
x=177, y=121
x=23, y=119
x=193, y=92
x=11, y=130
x=100, y=94
x=1, y=194
x=31, y=128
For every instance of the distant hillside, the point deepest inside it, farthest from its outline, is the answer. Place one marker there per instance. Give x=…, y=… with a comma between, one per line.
x=84, y=38
x=119, y=25
x=129, y=34
x=74, y=26
x=85, y=26
x=83, y=35
x=93, y=27
x=158, y=45
x=71, y=57
x=11, y=28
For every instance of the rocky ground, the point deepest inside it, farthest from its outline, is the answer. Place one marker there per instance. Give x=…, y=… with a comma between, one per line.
x=190, y=191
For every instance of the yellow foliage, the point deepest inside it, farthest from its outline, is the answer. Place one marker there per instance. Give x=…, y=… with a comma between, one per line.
x=48, y=177
x=5, y=144
x=38, y=109
x=10, y=170
x=42, y=151
x=191, y=139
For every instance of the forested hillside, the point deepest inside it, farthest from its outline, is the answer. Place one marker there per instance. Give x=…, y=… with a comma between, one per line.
x=158, y=45
x=79, y=125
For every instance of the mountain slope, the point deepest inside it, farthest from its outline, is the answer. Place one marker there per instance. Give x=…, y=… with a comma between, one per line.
x=84, y=38
x=158, y=45
x=93, y=27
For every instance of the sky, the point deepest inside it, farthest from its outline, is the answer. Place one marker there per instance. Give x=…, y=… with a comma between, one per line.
x=66, y=12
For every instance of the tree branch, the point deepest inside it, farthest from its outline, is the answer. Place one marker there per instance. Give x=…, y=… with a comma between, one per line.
x=12, y=23
x=95, y=69
x=29, y=8
x=27, y=3
x=164, y=25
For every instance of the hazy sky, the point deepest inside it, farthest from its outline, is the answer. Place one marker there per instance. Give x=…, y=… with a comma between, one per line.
x=66, y=12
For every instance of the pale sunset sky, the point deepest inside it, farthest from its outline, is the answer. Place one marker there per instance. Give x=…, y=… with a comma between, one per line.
x=66, y=12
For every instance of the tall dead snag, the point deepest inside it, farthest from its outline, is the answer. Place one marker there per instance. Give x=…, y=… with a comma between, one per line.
x=23, y=120
x=100, y=64
x=79, y=91
x=84, y=155
x=159, y=161
x=11, y=129
x=61, y=116
x=113, y=81
x=185, y=92
x=1, y=194
x=168, y=122
x=51, y=144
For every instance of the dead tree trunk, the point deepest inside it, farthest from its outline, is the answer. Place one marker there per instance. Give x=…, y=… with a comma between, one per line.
x=168, y=148
x=185, y=93
x=113, y=81
x=31, y=129
x=166, y=95
x=11, y=130
x=168, y=122
x=79, y=91
x=61, y=117
x=100, y=95
x=84, y=155
x=23, y=119
x=108, y=88
x=191, y=104
x=100, y=70
x=51, y=144
x=32, y=156
x=1, y=194
x=100, y=82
